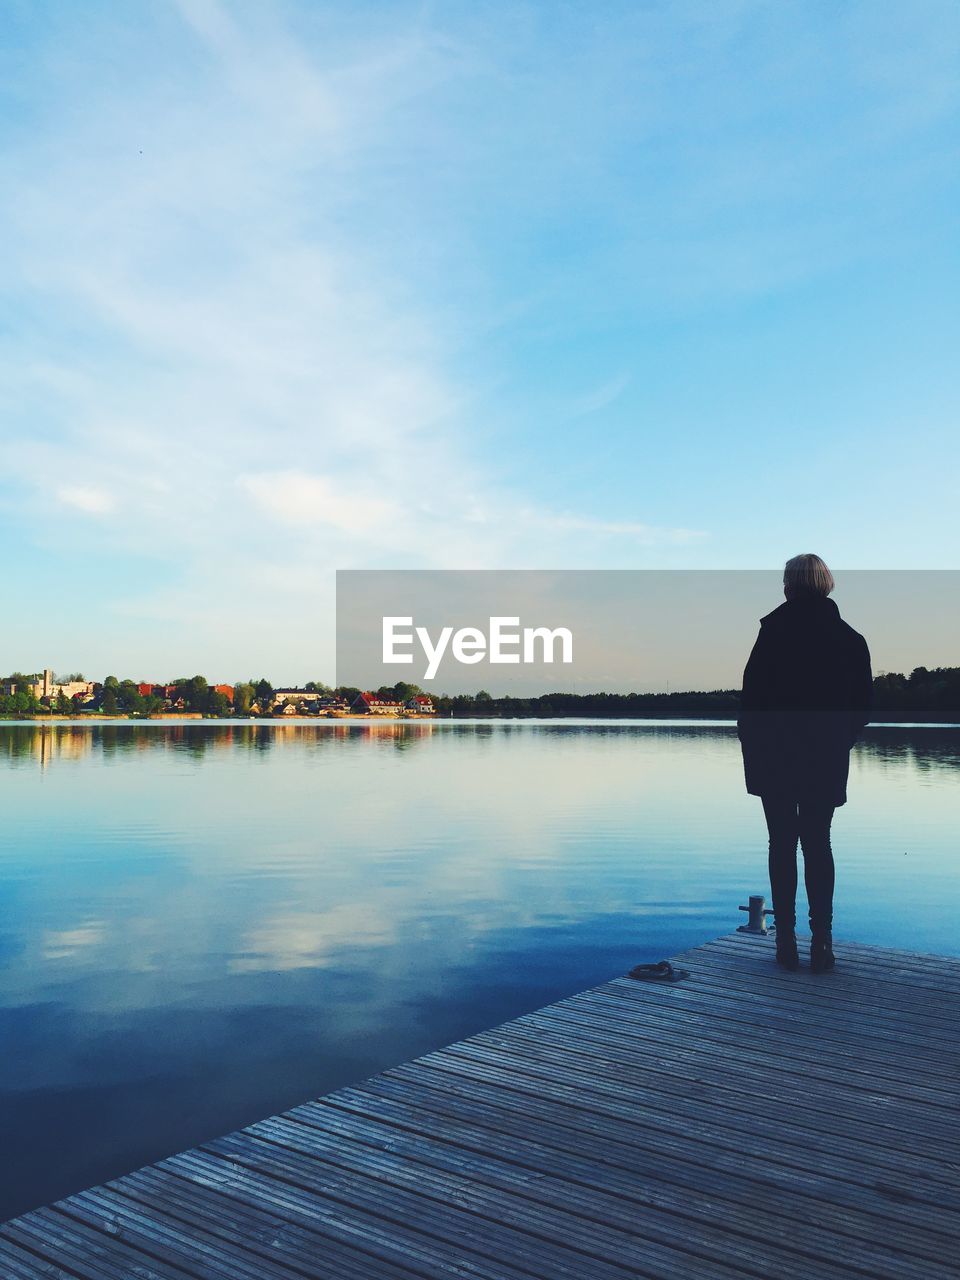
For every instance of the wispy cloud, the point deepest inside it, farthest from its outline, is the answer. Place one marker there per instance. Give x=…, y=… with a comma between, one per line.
x=255, y=374
x=645, y=534
x=298, y=498
x=93, y=502
x=600, y=397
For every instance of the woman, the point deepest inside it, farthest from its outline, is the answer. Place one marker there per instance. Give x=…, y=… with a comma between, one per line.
x=806, y=698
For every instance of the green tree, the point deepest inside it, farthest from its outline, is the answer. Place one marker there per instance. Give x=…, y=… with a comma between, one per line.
x=21, y=683
x=400, y=691
x=242, y=697
x=199, y=694
x=110, y=702
x=130, y=697
x=195, y=693
x=404, y=691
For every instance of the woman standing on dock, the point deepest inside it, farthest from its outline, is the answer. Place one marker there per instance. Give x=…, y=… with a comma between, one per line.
x=806, y=698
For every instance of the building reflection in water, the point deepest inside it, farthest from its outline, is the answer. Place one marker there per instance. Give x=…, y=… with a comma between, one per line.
x=44, y=743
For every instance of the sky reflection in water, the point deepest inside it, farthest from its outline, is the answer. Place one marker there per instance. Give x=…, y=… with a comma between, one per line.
x=204, y=924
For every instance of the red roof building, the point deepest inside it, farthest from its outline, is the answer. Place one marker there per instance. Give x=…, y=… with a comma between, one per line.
x=372, y=704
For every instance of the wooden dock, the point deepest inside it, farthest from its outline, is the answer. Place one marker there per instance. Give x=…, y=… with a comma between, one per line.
x=741, y=1122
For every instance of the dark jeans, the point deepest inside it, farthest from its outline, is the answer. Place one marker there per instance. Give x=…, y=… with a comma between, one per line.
x=790, y=820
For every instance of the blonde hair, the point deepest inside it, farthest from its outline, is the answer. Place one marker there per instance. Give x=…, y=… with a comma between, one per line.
x=808, y=573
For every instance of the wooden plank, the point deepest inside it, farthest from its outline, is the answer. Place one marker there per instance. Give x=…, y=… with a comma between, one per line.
x=590, y=1216
x=581, y=1086
x=591, y=1190
x=898, y=976
x=745, y=1009
x=754, y=971
x=322, y=1211
x=631, y=1146
x=845, y=1060
x=695, y=1071
x=157, y=1236
x=263, y=1235
x=534, y=1239
x=19, y=1264
x=925, y=1078
x=611, y=1066
x=701, y=1141
x=781, y=1202
x=778, y=1057
x=90, y=1254
x=946, y=966
x=927, y=976
x=509, y=1197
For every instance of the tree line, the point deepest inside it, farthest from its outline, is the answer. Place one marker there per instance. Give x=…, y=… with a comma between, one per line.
x=925, y=694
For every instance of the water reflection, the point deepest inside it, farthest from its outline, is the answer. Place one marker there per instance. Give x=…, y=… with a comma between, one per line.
x=919, y=748
x=42, y=744
x=203, y=923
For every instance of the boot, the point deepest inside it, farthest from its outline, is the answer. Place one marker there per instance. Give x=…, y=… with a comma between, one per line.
x=821, y=951
x=787, y=954
x=786, y=923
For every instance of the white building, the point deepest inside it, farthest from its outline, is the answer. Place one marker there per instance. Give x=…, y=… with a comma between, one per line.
x=46, y=688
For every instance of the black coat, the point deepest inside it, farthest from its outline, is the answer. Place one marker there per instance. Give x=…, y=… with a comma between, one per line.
x=806, y=698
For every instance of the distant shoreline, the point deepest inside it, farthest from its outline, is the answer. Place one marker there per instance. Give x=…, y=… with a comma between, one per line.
x=926, y=695
x=196, y=718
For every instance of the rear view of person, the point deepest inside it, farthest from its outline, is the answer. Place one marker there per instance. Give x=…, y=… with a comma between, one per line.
x=806, y=698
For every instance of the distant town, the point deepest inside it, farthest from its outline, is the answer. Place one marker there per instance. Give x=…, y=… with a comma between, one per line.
x=45, y=693
x=925, y=695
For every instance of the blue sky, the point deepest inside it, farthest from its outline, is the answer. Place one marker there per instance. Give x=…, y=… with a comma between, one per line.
x=295, y=287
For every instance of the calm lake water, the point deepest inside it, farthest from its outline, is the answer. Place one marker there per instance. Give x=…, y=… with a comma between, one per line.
x=203, y=924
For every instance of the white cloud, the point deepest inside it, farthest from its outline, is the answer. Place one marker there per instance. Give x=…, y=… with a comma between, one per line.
x=312, y=939
x=91, y=501
x=62, y=944
x=299, y=498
